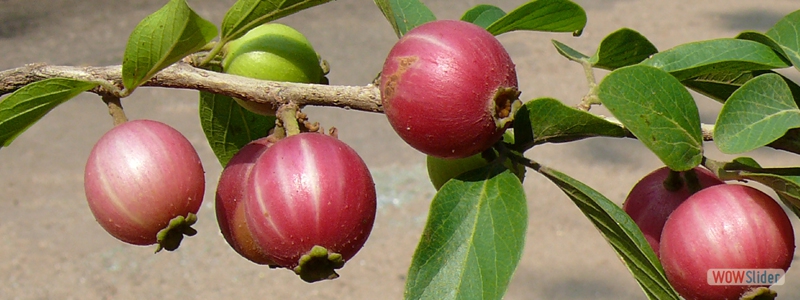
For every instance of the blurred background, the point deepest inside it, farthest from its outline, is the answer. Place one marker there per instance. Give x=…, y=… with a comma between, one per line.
x=51, y=247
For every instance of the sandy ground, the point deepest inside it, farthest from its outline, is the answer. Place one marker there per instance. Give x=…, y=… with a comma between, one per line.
x=52, y=248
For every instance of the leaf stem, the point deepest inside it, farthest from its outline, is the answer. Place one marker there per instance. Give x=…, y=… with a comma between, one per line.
x=591, y=97
x=521, y=159
x=216, y=49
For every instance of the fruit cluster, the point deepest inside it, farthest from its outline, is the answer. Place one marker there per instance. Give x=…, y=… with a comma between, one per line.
x=306, y=201
x=698, y=224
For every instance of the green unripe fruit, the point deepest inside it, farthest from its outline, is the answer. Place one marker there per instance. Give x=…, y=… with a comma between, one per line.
x=442, y=170
x=273, y=52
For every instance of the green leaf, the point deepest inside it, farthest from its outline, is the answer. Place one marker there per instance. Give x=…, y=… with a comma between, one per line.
x=404, y=15
x=248, y=14
x=786, y=33
x=720, y=86
x=163, y=38
x=620, y=231
x=473, y=239
x=547, y=120
x=228, y=126
x=788, y=142
x=621, y=48
x=784, y=181
x=483, y=15
x=542, y=15
x=20, y=110
x=758, y=113
x=716, y=56
x=658, y=110
x=569, y=53
x=764, y=39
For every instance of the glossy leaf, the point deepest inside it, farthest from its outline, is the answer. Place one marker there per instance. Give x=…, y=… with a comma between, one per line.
x=784, y=181
x=542, y=15
x=547, y=120
x=716, y=56
x=228, y=126
x=658, y=110
x=569, y=53
x=786, y=33
x=764, y=39
x=23, y=108
x=720, y=86
x=473, y=238
x=248, y=14
x=620, y=231
x=758, y=113
x=788, y=142
x=621, y=48
x=483, y=15
x=163, y=38
x=404, y=15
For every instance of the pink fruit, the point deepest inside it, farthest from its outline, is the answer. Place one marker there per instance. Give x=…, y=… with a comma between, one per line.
x=651, y=201
x=141, y=175
x=310, y=204
x=726, y=226
x=449, y=89
x=231, y=191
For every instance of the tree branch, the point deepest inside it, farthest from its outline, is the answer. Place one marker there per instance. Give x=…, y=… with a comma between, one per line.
x=184, y=76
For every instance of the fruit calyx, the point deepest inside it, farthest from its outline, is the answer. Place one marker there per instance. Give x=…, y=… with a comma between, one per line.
x=506, y=104
x=761, y=293
x=170, y=237
x=319, y=264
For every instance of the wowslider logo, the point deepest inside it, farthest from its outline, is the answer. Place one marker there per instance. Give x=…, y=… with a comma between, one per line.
x=766, y=277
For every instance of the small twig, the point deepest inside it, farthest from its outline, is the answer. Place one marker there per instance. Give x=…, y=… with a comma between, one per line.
x=184, y=76
x=115, y=109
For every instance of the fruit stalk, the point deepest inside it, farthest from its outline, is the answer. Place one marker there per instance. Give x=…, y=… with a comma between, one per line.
x=115, y=109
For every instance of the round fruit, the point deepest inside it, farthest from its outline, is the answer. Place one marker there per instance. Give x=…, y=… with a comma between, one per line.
x=140, y=176
x=726, y=226
x=442, y=170
x=272, y=52
x=654, y=198
x=310, y=204
x=231, y=191
x=449, y=89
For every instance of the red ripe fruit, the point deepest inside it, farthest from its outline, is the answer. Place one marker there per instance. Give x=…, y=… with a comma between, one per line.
x=230, y=207
x=654, y=198
x=144, y=183
x=727, y=226
x=449, y=89
x=310, y=204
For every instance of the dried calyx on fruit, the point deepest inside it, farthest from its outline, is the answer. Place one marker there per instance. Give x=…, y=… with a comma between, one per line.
x=449, y=89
